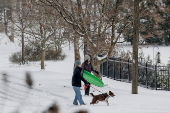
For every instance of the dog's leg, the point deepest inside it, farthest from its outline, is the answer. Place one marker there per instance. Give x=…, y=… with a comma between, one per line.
x=97, y=101
x=107, y=102
x=93, y=100
x=92, y=103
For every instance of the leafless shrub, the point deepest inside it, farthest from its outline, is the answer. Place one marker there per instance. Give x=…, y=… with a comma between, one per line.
x=15, y=57
x=35, y=55
x=54, y=55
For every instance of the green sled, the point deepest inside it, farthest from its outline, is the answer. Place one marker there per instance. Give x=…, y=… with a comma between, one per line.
x=92, y=79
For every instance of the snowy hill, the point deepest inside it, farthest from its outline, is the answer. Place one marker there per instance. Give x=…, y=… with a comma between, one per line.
x=54, y=85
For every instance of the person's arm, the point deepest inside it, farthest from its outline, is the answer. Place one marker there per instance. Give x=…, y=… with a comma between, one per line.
x=79, y=74
x=85, y=82
x=82, y=66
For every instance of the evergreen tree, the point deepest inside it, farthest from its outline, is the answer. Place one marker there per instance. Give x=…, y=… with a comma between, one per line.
x=165, y=24
x=158, y=60
x=154, y=22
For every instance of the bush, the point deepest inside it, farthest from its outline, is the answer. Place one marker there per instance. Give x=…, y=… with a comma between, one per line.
x=35, y=55
x=54, y=55
x=153, y=40
x=15, y=57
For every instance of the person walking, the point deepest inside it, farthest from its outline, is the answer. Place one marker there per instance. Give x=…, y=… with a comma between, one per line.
x=76, y=83
x=87, y=65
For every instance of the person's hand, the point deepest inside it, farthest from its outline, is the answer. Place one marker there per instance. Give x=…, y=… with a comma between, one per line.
x=85, y=86
x=96, y=72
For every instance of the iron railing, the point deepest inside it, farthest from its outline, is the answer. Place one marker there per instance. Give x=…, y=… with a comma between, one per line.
x=150, y=76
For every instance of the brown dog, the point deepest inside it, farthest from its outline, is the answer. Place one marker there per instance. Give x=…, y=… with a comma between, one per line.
x=101, y=97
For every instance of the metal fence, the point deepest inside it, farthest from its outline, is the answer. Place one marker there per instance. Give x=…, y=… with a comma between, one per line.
x=149, y=76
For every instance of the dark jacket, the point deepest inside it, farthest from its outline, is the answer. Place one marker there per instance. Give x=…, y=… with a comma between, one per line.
x=77, y=77
x=87, y=67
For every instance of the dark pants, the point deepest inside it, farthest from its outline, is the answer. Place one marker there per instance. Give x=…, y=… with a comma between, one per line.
x=87, y=90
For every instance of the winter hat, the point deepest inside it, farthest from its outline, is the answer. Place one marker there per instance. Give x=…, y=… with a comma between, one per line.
x=86, y=57
x=77, y=62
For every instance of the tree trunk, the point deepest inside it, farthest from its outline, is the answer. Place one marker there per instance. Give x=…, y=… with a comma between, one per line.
x=11, y=37
x=96, y=66
x=135, y=47
x=12, y=17
x=23, y=49
x=42, y=59
x=43, y=55
x=76, y=49
x=22, y=35
x=5, y=22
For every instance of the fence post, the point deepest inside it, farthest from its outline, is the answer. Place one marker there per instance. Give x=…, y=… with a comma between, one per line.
x=107, y=69
x=146, y=74
x=128, y=70
x=120, y=70
x=112, y=70
x=156, y=77
x=168, y=79
x=114, y=76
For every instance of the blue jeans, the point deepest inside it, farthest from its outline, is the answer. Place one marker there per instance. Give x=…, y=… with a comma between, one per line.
x=78, y=96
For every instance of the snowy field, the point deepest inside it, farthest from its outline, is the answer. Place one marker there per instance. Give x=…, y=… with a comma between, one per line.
x=54, y=85
x=152, y=50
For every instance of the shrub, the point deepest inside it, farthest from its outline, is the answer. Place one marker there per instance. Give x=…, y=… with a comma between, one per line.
x=54, y=55
x=15, y=57
x=35, y=55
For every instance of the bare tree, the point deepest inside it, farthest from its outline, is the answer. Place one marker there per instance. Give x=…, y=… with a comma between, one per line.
x=94, y=20
x=21, y=17
x=44, y=28
x=5, y=9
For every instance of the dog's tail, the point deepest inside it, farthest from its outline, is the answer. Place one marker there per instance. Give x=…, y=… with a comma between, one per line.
x=92, y=94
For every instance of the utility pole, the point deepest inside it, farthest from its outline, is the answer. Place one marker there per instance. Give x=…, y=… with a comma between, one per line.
x=135, y=47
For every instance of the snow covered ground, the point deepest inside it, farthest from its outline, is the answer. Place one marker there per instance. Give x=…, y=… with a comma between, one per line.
x=152, y=50
x=54, y=85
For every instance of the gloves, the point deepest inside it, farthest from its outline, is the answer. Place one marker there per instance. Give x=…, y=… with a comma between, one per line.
x=96, y=71
x=86, y=86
